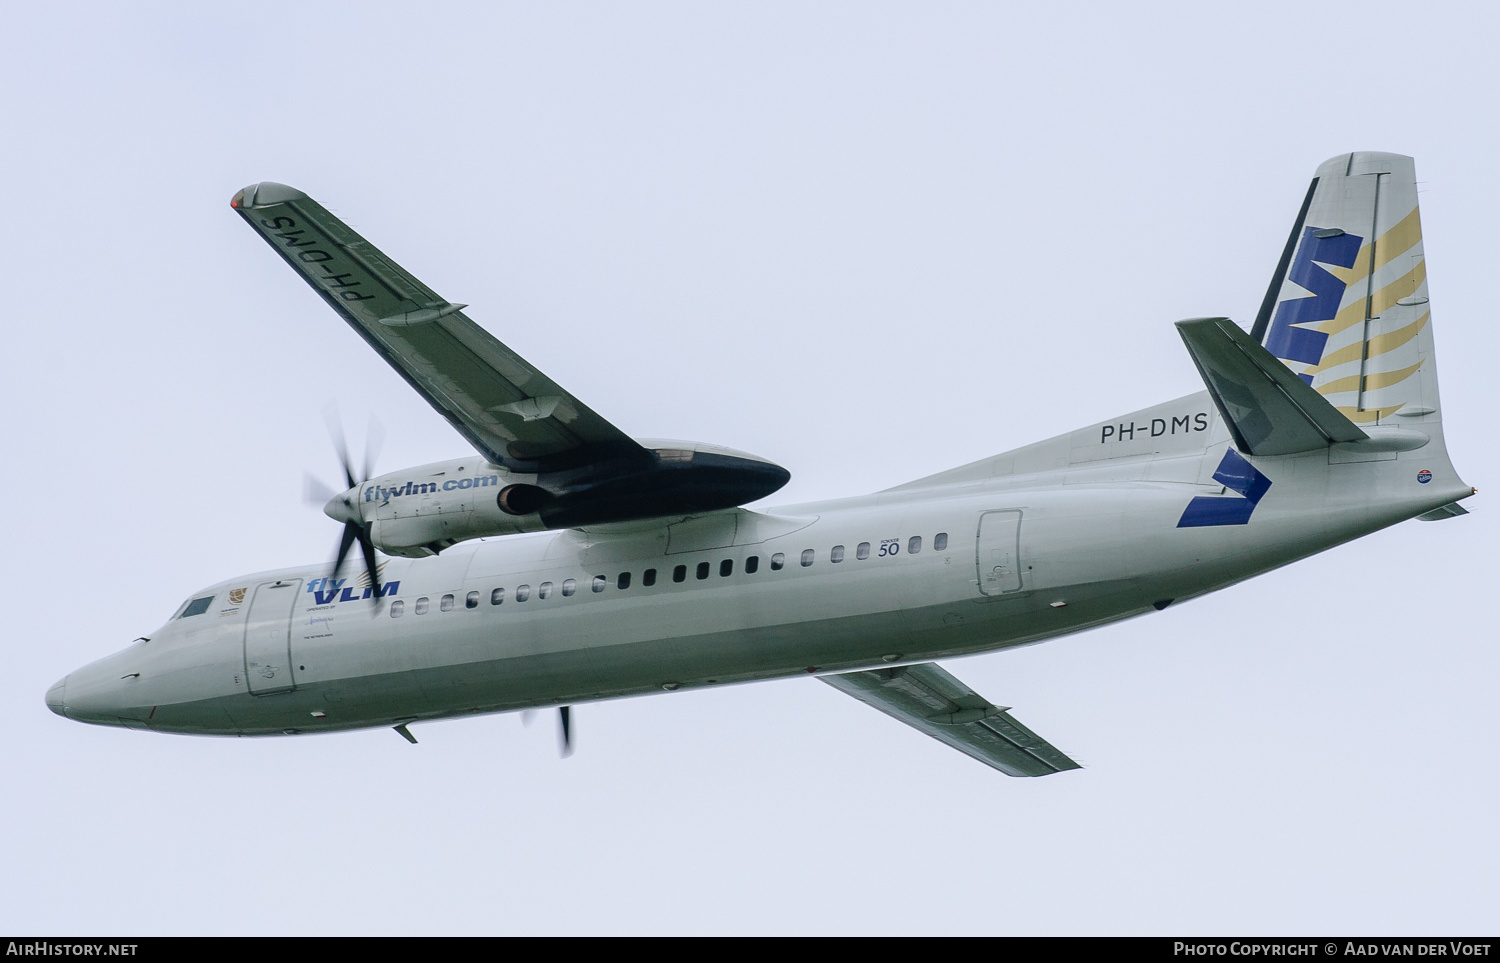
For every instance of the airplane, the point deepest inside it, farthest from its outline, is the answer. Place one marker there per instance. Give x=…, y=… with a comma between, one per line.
x=563, y=562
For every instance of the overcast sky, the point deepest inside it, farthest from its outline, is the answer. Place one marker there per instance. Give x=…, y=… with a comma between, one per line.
x=867, y=241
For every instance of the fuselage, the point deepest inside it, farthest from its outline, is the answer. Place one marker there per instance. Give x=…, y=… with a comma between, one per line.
x=564, y=617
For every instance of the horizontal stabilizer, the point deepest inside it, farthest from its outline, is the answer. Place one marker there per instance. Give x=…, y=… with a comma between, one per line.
x=1269, y=409
x=927, y=698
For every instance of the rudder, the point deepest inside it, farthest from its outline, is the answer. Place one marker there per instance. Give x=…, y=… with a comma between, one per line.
x=1347, y=310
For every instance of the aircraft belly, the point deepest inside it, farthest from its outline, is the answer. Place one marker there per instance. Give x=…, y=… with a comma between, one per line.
x=614, y=670
x=564, y=676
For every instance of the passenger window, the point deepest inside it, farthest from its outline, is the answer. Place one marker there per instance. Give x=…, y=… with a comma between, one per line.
x=471, y=601
x=523, y=592
x=446, y=604
x=752, y=565
x=837, y=555
x=940, y=542
x=777, y=561
x=197, y=606
x=397, y=607
x=648, y=577
x=679, y=574
x=497, y=596
x=863, y=551
x=914, y=545
x=703, y=568
x=599, y=582
x=569, y=587
x=807, y=557
x=422, y=605
x=623, y=582
x=726, y=568
x=544, y=591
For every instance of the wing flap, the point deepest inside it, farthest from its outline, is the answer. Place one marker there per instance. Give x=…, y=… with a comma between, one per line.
x=1270, y=410
x=509, y=411
x=929, y=699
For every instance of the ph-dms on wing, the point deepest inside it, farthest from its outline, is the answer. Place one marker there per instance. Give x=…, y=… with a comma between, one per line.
x=927, y=698
x=513, y=414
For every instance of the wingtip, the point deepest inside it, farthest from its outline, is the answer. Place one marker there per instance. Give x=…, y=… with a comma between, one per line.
x=264, y=194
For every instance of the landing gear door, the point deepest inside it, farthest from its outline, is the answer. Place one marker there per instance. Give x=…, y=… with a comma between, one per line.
x=999, y=552
x=268, y=638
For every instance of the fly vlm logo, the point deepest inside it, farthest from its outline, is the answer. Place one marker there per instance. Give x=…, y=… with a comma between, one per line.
x=1288, y=341
x=379, y=493
x=1237, y=475
x=326, y=590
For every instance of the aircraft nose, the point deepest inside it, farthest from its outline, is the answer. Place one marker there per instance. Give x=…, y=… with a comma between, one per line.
x=105, y=692
x=55, y=700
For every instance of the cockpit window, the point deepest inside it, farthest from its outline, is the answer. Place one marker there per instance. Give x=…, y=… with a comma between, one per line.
x=197, y=606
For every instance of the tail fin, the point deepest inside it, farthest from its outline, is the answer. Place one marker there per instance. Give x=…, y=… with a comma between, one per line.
x=1347, y=310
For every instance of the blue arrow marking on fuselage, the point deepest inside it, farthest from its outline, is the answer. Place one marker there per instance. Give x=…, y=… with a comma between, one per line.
x=1237, y=475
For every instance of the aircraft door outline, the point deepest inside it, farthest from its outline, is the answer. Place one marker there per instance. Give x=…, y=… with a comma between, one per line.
x=998, y=552
x=268, y=638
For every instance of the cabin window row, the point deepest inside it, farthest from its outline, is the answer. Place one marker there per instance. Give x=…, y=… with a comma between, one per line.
x=703, y=570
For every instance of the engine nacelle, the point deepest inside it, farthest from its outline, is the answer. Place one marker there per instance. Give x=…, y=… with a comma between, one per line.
x=421, y=511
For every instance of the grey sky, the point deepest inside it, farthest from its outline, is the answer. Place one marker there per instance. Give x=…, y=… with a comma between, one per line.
x=867, y=241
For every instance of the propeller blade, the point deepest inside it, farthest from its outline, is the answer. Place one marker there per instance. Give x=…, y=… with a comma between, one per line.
x=315, y=491
x=374, y=438
x=372, y=568
x=341, y=448
x=352, y=533
x=567, y=730
x=527, y=716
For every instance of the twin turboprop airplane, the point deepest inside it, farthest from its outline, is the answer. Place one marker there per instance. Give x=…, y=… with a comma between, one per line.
x=565, y=562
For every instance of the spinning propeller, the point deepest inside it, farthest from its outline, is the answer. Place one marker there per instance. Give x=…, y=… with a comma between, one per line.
x=565, y=733
x=341, y=506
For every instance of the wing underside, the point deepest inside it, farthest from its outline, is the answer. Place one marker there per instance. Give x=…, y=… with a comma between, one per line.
x=929, y=699
x=512, y=413
x=583, y=469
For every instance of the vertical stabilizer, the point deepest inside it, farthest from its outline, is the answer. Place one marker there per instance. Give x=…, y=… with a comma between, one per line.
x=1347, y=311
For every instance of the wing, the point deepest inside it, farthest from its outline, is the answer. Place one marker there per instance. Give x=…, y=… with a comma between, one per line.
x=927, y=698
x=512, y=413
